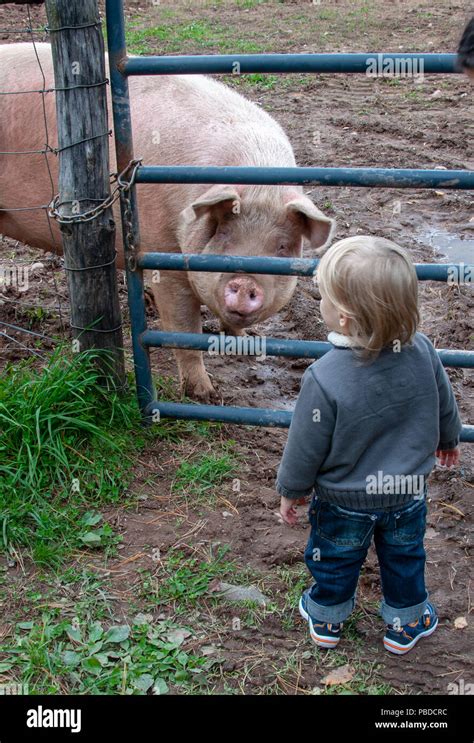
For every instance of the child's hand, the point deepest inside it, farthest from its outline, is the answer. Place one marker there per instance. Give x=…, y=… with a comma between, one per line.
x=448, y=457
x=288, y=510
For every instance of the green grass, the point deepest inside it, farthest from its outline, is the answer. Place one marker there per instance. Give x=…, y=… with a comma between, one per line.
x=201, y=476
x=91, y=659
x=67, y=447
x=184, y=37
x=61, y=443
x=90, y=653
x=181, y=581
x=139, y=40
x=249, y=3
x=267, y=82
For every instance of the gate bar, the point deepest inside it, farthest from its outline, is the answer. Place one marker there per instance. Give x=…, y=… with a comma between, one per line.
x=243, y=416
x=449, y=272
x=272, y=346
x=377, y=64
x=121, y=66
x=271, y=176
x=128, y=200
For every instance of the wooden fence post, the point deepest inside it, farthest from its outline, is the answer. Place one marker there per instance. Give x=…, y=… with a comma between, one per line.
x=89, y=246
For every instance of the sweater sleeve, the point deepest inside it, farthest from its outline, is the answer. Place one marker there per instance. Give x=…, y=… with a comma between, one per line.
x=449, y=420
x=450, y=425
x=309, y=439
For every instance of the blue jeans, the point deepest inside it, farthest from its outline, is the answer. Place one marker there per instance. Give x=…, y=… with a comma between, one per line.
x=337, y=548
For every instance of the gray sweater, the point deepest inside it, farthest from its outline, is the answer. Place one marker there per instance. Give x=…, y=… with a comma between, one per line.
x=358, y=430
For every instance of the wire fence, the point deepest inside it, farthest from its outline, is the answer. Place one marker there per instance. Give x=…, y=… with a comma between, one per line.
x=59, y=305
x=52, y=261
x=11, y=270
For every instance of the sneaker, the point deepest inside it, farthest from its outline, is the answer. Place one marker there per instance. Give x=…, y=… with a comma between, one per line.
x=402, y=640
x=323, y=634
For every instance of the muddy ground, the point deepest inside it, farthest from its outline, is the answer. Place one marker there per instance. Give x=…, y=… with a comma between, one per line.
x=333, y=121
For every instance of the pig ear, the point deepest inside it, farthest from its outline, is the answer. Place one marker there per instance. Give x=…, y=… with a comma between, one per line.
x=226, y=197
x=317, y=227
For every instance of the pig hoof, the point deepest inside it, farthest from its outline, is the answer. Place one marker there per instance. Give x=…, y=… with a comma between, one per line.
x=202, y=391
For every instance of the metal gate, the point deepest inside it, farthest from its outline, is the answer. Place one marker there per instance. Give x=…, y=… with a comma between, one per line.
x=121, y=67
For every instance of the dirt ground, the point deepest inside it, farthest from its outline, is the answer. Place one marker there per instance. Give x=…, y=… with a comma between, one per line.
x=332, y=120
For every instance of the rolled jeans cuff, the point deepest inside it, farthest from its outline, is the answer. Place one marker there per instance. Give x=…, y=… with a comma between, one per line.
x=330, y=614
x=407, y=614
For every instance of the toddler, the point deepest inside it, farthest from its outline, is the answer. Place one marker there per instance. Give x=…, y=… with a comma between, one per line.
x=466, y=50
x=371, y=417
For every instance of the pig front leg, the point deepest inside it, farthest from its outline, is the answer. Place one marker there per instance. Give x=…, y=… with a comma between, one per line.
x=180, y=311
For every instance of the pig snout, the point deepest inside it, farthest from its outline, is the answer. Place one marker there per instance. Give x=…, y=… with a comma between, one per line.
x=243, y=296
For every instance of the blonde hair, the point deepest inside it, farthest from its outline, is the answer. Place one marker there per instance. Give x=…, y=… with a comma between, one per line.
x=373, y=282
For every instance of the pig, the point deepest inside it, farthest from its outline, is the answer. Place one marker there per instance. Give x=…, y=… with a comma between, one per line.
x=176, y=120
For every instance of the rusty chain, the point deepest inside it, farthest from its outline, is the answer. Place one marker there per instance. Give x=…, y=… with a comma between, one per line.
x=88, y=216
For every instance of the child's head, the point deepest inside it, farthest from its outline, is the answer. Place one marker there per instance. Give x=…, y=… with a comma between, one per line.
x=466, y=50
x=369, y=291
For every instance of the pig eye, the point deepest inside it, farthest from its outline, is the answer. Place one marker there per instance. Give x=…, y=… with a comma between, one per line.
x=283, y=250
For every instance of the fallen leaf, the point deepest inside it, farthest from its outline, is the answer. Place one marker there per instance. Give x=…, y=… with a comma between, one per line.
x=460, y=622
x=178, y=635
x=341, y=675
x=209, y=650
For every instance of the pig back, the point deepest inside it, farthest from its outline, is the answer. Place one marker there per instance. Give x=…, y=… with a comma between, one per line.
x=176, y=120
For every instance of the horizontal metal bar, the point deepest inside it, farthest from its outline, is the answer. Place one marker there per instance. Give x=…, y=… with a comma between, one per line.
x=231, y=345
x=375, y=64
x=243, y=416
x=452, y=272
x=223, y=413
x=270, y=176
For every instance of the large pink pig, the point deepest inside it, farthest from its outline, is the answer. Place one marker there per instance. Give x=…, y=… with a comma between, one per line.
x=177, y=120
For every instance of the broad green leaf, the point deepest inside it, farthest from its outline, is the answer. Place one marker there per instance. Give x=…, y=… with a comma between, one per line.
x=96, y=632
x=102, y=658
x=181, y=676
x=117, y=634
x=144, y=682
x=70, y=658
x=74, y=634
x=92, y=665
x=90, y=518
x=160, y=686
x=91, y=538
